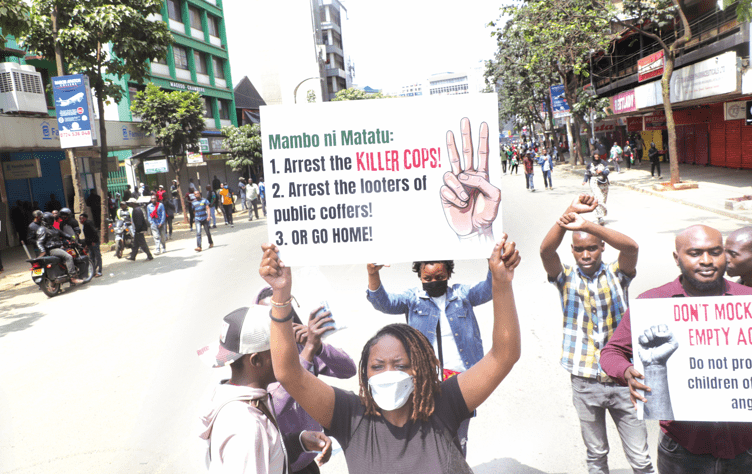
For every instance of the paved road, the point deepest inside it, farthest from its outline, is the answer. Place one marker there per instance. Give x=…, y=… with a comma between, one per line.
x=105, y=378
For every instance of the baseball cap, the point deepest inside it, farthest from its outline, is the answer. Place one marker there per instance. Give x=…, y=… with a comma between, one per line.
x=244, y=331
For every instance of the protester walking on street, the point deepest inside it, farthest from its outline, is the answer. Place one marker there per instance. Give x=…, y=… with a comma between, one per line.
x=169, y=215
x=175, y=195
x=405, y=419
x=140, y=225
x=201, y=210
x=213, y=199
x=504, y=159
x=91, y=242
x=594, y=299
x=190, y=196
x=529, y=170
x=241, y=193
x=615, y=157
x=596, y=175
x=547, y=168
x=655, y=160
x=514, y=162
x=262, y=194
x=639, y=147
x=227, y=203
x=252, y=196
x=439, y=309
x=684, y=446
x=627, y=154
x=157, y=218
x=316, y=357
x=94, y=201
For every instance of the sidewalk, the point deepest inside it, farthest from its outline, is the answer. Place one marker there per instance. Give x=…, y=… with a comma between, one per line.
x=715, y=185
x=17, y=269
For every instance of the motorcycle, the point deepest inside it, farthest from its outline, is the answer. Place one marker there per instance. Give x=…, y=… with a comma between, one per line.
x=123, y=236
x=49, y=272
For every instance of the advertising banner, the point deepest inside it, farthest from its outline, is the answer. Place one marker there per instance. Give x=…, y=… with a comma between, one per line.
x=156, y=166
x=650, y=66
x=561, y=108
x=655, y=122
x=195, y=159
x=735, y=110
x=72, y=109
x=624, y=102
x=388, y=180
x=707, y=78
x=696, y=355
x=634, y=124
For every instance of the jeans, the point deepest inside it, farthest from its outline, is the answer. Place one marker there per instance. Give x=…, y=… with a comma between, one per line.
x=592, y=399
x=158, y=234
x=213, y=216
x=169, y=226
x=60, y=253
x=547, y=182
x=227, y=208
x=242, y=202
x=263, y=204
x=205, y=226
x=529, y=178
x=653, y=165
x=504, y=166
x=675, y=459
x=617, y=165
x=96, y=256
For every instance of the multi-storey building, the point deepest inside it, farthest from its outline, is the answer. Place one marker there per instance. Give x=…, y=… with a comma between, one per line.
x=470, y=81
x=711, y=88
x=302, y=51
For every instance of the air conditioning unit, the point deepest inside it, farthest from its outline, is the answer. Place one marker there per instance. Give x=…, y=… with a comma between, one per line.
x=21, y=89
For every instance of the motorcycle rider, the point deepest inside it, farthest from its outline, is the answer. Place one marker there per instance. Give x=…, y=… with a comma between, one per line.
x=124, y=214
x=68, y=224
x=50, y=241
x=31, y=233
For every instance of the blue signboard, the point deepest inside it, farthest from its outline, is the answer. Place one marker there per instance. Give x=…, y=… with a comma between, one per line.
x=73, y=111
x=561, y=108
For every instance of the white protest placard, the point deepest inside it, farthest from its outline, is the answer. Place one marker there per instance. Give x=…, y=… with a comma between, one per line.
x=704, y=348
x=373, y=180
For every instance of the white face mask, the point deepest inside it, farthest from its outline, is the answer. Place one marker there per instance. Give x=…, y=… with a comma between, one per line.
x=391, y=389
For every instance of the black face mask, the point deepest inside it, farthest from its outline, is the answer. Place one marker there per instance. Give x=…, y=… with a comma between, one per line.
x=435, y=288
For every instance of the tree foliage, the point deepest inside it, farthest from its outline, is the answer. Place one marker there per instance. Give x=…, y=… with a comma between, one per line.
x=104, y=39
x=14, y=18
x=175, y=120
x=556, y=36
x=244, y=144
x=357, y=94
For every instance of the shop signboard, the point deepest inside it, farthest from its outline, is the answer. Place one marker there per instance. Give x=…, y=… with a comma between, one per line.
x=735, y=110
x=156, y=166
x=195, y=159
x=650, y=67
x=22, y=169
x=73, y=110
x=604, y=127
x=634, y=124
x=624, y=102
x=655, y=122
x=714, y=76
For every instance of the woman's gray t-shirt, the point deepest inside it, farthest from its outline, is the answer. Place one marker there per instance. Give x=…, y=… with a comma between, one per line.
x=373, y=445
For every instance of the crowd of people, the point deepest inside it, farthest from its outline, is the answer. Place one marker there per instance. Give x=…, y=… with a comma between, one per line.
x=421, y=382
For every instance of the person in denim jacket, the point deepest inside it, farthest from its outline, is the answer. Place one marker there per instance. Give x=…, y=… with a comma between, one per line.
x=439, y=307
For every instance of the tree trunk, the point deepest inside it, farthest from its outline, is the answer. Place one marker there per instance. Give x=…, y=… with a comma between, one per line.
x=668, y=71
x=177, y=169
x=569, y=93
x=105, y=236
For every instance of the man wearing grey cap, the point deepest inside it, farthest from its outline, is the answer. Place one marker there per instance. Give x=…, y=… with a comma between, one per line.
x=238, y=421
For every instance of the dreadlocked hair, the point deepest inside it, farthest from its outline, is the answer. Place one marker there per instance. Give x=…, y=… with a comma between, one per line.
x=424, y=363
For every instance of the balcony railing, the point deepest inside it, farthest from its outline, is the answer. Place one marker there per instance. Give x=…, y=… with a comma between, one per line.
x=706, y=29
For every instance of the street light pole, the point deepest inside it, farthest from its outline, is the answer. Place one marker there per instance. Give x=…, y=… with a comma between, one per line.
x=295, y=93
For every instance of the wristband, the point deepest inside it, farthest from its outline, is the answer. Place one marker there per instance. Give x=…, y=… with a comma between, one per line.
x=283, y=320
x=286, y=303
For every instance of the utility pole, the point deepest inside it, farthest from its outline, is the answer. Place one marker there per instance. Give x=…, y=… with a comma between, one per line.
x=78, y=201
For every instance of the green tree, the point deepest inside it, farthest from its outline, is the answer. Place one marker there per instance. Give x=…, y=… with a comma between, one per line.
x=560, y=35
x=175, y=120
x=357, y=94
x=14, y=18
x=651, y=18
x=103, y=39
x=244, y=144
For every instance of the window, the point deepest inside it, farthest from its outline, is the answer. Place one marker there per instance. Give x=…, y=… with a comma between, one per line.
x=224, y=109
x=208, y=110
x=219, y=67
x=173, y=10
x=181, y=57
x=200, y=62
x=213, y=22
x=195, y=16
x=161, y=61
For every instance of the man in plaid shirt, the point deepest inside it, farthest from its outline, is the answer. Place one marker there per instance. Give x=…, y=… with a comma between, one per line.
x=594, y=298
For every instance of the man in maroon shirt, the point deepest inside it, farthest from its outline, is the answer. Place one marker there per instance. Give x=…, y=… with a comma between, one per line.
x=687, y=447
x=739, y=255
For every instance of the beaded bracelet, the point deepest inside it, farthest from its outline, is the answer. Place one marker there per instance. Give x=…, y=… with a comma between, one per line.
x=283, y=320
x=282, y=305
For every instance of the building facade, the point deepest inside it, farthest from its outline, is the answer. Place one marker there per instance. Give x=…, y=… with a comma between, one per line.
x=711, y=87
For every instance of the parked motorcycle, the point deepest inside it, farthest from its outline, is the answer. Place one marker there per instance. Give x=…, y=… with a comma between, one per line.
x=123, y=236
x=49, y=272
